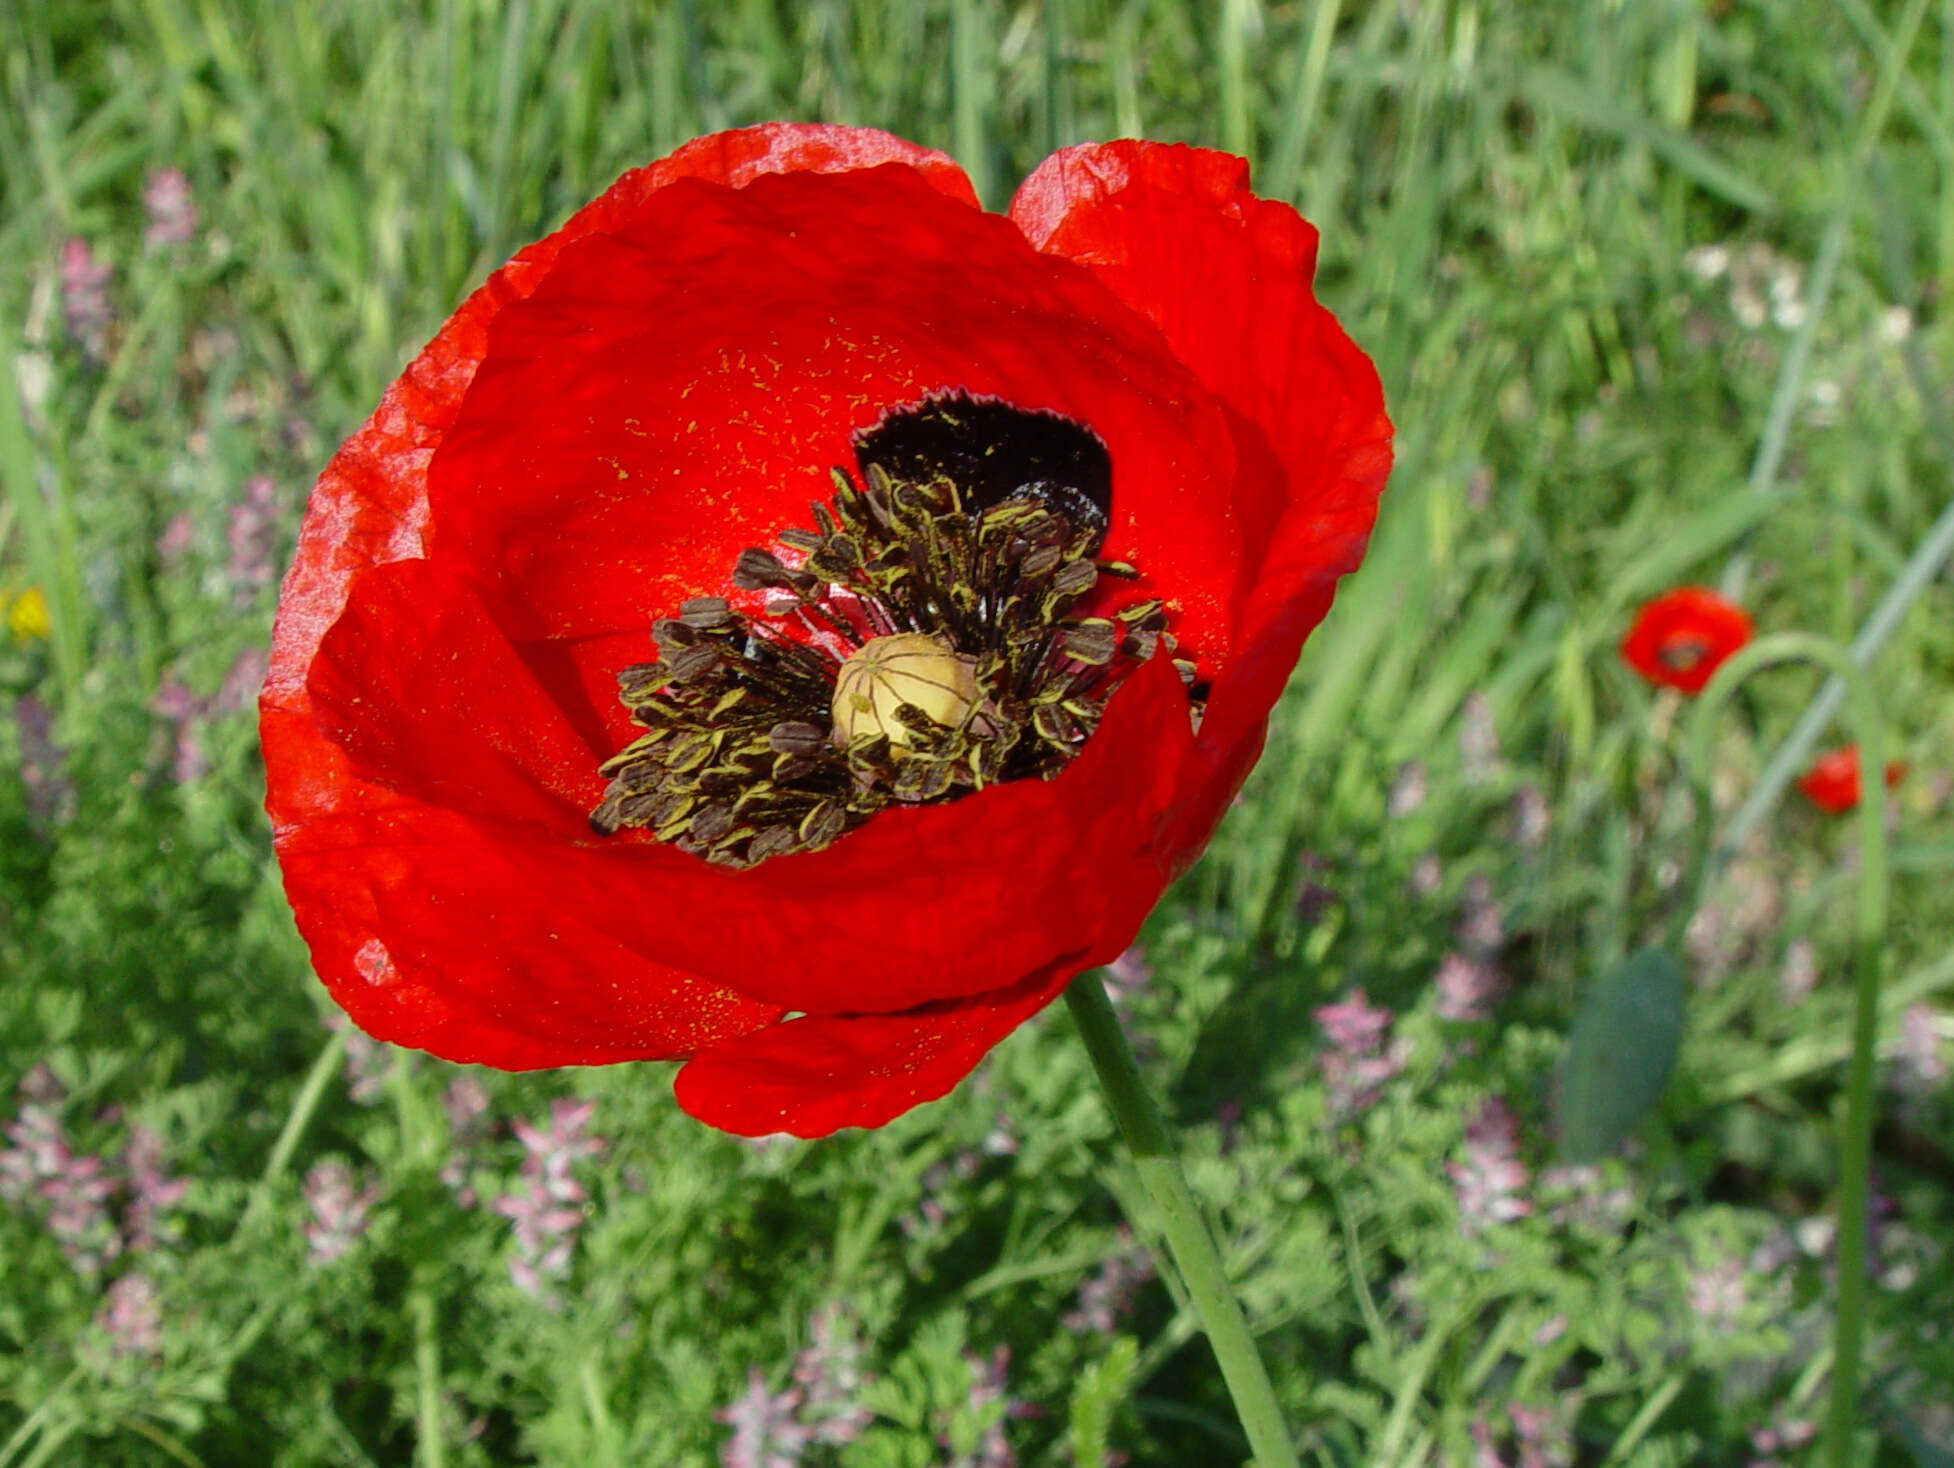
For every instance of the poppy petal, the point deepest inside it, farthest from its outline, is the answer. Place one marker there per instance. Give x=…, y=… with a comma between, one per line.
x=1175, y=233
x=811, y=1077
x=610, y=462
x=419, y=687
x=430, y=930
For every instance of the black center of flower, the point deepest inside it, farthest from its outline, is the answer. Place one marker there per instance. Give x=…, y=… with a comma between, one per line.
x=943, y=628
x=1681, y=654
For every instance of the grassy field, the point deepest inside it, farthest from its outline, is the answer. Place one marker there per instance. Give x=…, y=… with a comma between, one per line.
x=1654, y=288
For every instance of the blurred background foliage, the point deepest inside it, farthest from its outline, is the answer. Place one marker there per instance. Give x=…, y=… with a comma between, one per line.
x=1583, y=243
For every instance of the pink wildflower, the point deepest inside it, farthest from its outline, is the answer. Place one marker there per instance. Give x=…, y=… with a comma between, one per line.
x=545, y=1209
x=1532, y=821
x=1478, y=740
x=253, y=537
x=1107, y=1296
x=829, y=1374
x=85, y=299
x=1359, y=1064
x=339, y=1213
x=765, y=1434
x=466, y=1103
x=1787, y=1435
x=1490, y=1178
x=1482, y=927
x=1799, y=976
x=43, y=765
x=1355, y=1026
x=368, y=1063
x=152, y=1191
x=177, y=538
x=988, y=1388
x=1467, y=988
x=1128, y=977
x=1717, y=1295
x=172, y=214
x=1579, y=1198
x=132, y=1316
x=1408, y=790
x=1919, y=1066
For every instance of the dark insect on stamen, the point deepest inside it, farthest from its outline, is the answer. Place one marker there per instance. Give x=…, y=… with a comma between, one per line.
x=923, y=646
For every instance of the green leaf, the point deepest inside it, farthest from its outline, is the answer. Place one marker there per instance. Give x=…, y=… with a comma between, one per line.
x=1620, y=1053
x=1102, y=1386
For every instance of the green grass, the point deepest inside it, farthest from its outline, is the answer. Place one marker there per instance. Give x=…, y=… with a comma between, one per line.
x=1509, y=198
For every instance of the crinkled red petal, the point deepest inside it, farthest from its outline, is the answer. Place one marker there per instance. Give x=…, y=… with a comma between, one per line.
x=430, y=930
x=811, y=1077
x=351, y=847
x=1175, y=233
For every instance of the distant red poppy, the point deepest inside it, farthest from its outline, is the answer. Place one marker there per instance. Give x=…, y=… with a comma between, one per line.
x=1682, y=637
x=579, y=751
x=1832, y=783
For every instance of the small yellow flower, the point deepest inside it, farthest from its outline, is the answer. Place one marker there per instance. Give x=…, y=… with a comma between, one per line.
x=27, y=617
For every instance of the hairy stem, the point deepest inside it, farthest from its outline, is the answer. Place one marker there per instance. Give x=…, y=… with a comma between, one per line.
x=1181, y=1224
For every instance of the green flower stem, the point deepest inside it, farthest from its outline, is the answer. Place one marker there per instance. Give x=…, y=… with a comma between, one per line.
x=427, y=1372
x=1869, y=937
x=1181, y=1223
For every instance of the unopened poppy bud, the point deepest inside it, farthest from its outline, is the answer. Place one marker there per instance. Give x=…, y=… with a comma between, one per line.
x=908, y=668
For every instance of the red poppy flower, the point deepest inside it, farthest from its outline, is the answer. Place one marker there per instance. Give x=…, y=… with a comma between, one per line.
x=1832, y=783
x=651, y=397
x=1682, y=637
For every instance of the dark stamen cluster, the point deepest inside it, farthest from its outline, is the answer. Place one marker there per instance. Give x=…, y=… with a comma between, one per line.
x=740, y=759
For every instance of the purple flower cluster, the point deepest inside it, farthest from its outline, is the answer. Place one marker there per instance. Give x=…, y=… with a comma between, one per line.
x=990, y=1390
x=1361, y=1059
x=1482, y=926
x=1128, y=977
x=132, y=1316
x=766, y=1433
x=1576, y=1197
x=828, y=1372
x=1468, y=988
x=772, y=1429
x=182, y=712
x=1785, y=1436
x=1489, y=1179
x=252, y=534
x=466, y=1103
x=368, y=1062
x=1107, y=1296
x=1479, y=756
x=43, y=769
x=78, y=1191
x=1718, y=1293
x=1532, y=820
x=340, y=1210
x=171, y=212
x=961, y=1167
x=1538, y=1439
x=546, y=1209
x=1409, y=788
x=85, y=307
x=1919, y=1062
